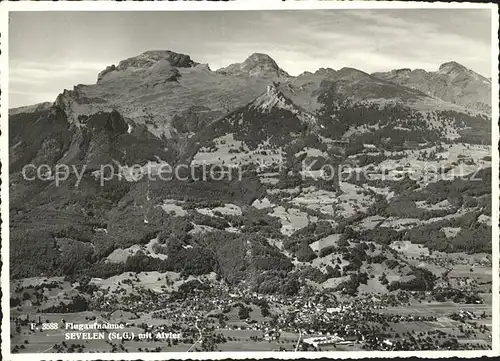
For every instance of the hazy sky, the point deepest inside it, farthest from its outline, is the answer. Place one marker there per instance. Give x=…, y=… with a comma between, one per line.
x=51, y=51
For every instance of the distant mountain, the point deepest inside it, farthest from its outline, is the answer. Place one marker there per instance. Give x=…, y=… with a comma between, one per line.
x=358, y=85
x=453, y=83
x=271, y=115
x=30, y=108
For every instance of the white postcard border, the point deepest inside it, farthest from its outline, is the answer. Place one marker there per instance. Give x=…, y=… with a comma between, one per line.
x=6, y=7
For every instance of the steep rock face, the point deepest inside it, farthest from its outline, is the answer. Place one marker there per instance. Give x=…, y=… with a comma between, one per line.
x=453, y=83
x=41, y=137
x=157, y=87
x=112, y=122
x=256, y=65
x=270, y=99
x=193, y=119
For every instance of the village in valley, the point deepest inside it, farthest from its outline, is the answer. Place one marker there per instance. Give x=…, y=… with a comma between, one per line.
x=203, y=314
x=248, y=209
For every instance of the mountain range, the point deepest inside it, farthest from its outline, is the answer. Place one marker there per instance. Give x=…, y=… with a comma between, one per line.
x=163, y=107
x=139, y=86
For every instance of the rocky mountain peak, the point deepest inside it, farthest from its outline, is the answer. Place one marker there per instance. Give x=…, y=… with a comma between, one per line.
x=148, y=60
x=260, y=57
x=451, y=67
x=273, y=98
x=256, y=65
x=107, y=121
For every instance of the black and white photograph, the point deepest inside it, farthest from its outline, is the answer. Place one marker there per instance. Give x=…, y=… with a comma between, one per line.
x=246, y=182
